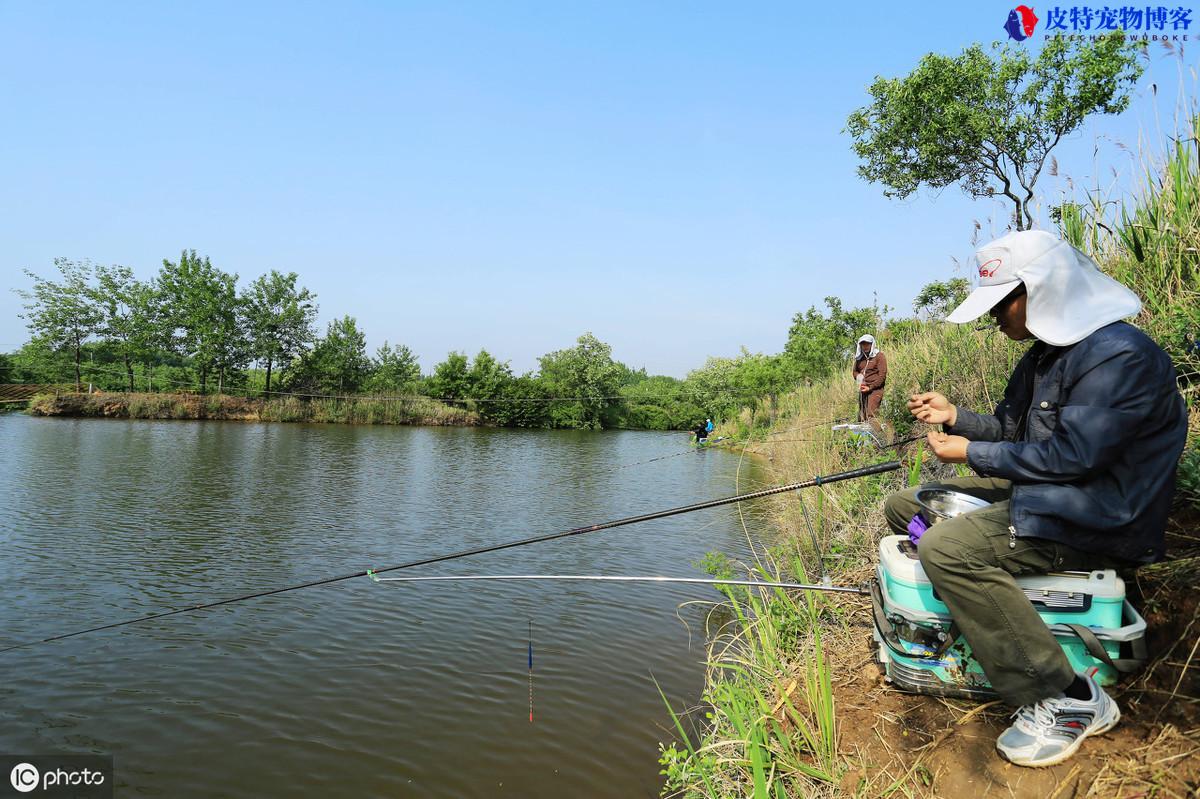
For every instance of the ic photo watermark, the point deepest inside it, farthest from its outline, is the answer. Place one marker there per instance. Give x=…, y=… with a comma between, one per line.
x=57, y=776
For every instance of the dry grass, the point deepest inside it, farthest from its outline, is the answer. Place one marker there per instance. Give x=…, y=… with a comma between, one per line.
x=354, y=410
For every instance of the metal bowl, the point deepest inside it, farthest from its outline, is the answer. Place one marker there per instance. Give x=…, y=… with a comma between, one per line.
x=942, y=503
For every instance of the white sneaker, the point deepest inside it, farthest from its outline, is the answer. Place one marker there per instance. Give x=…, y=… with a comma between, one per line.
x=1050, y=731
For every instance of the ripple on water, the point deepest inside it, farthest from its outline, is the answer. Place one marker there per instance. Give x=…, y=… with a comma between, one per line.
x=355, y=688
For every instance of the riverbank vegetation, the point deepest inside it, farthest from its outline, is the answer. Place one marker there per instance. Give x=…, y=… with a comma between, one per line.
x=190, y=330
x=755, y=736
x=351, y=410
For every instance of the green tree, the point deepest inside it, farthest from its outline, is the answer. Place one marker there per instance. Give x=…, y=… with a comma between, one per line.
x=588, y=376
x=394, y=369
x=39, y=362
x=488, y=379
x=714, y=387
x=817, y=342
x=341, y=357
x=279, y=319
x=129, y=310
x=523, y=403
x=938, y=298
x=201, y=314
x=988, y=121
x=451, y=378
x=63, y=314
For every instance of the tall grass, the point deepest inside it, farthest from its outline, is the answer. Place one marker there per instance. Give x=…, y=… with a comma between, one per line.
x=773, y=722
x=355, y=410
x=762, y=743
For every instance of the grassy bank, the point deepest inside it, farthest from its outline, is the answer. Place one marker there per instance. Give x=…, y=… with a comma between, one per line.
x=794, y=707
x=358, y=410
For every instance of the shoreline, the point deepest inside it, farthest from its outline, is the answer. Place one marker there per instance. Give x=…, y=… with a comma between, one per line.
x=417, y=411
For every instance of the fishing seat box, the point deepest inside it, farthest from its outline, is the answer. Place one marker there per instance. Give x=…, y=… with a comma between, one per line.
x=910, y=614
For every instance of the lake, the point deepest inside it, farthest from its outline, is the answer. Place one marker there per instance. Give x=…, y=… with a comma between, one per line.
x=356, y=688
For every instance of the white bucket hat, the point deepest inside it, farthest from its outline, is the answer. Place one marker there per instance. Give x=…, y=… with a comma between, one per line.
x=870, y=340
x=1069, y=297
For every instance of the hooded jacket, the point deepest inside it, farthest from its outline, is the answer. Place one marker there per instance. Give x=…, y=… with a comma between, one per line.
x=1090, y=434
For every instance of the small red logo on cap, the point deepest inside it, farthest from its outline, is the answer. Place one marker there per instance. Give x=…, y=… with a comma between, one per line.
x=989, y=269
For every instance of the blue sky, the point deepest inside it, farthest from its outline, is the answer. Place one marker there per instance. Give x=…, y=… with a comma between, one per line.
x=670, y=176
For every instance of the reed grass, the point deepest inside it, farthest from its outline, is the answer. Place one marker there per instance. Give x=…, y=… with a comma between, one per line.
x=769, y=737
x=355, y=410
x=1149, y=242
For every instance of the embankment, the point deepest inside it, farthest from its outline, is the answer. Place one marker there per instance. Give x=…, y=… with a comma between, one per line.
x=356, y=410
x=795, y=706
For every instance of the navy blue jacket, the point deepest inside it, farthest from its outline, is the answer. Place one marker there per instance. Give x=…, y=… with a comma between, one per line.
x=1090, y=434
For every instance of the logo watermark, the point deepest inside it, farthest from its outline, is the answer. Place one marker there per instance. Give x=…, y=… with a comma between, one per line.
x=1021, y=23
x=1135, y=23
x=86, y=776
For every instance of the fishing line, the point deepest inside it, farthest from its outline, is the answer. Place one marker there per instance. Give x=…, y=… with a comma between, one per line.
x=622, y=578
x=819, y=480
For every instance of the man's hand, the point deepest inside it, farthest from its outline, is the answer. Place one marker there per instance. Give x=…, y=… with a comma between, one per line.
x=864, y=388
x=933, y=408
x=949, y=449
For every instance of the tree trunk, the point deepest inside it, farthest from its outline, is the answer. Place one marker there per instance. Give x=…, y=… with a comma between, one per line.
x=129, y=371
x=204, y=379
x=1019, y=215
x=78, y=376
x=268, y=391
x=220, y=379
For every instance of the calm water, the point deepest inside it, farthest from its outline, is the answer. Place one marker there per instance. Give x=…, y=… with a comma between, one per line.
x=355, y=689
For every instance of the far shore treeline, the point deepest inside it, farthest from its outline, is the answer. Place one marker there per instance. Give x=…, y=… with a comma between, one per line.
x=193, y=329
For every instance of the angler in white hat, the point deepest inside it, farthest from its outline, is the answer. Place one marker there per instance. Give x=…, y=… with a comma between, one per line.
x=1078, y=461
x=870, y=373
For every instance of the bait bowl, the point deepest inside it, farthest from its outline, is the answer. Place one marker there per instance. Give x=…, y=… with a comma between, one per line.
x=942, y=503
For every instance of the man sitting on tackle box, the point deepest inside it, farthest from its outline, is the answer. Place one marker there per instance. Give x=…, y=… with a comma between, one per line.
x=1079, y=462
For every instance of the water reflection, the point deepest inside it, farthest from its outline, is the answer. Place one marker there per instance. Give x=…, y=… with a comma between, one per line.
x=357, y=688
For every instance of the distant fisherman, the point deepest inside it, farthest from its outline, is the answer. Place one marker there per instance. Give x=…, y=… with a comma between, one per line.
x=870, y=371
x=708, y=426
x=701, y=432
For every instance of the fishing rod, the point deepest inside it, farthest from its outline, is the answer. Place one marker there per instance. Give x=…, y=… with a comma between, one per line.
x=819, y=480
x=624, y=579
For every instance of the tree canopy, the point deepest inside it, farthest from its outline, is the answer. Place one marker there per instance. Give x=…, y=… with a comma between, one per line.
x=63, y=313
x=988, y=120
x=587, y=375
x=279, y=319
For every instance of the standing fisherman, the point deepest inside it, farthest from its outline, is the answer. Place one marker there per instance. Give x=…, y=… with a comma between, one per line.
x=1078, y=461
x=870, y=372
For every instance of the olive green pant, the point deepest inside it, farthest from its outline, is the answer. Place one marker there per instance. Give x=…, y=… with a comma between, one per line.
x=971, y=561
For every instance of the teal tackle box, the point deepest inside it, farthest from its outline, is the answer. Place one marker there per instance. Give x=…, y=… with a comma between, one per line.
x=920, y=649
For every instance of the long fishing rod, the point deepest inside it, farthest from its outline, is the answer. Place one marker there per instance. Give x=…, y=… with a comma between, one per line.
x=625, y=579
x=866, y=471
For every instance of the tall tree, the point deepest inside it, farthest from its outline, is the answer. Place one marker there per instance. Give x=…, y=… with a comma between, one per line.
x=939, y=298
x=279, y=319
x=394, y=369
x=988, y=121
x=816, y=341
x=588, y=376
x=339, y=360
x=129, y=311
x=201, y=315
x=63, y=313
x=451, y=378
